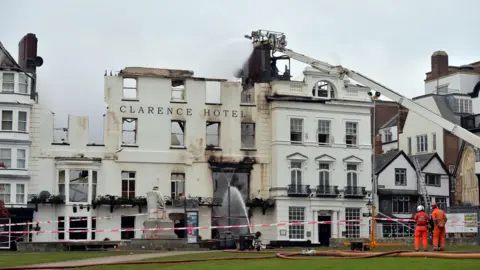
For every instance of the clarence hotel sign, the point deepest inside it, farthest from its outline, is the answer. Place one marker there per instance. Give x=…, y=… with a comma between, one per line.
x=179, y=111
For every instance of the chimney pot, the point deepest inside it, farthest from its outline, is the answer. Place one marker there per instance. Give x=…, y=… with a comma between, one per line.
x=439, y=63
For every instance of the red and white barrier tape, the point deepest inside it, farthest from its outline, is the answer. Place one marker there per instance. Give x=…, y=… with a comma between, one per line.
x=98, y=218
x=280, y=224
x=156, y=212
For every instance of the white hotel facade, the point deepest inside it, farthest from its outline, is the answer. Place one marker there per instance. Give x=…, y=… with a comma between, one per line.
x=159, y=130
x=301, y=152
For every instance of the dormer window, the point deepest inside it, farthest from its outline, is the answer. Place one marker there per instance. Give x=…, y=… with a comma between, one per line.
x=323, y=89
x=463, y=105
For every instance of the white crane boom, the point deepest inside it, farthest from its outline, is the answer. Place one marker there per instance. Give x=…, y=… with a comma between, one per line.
x=278, y=42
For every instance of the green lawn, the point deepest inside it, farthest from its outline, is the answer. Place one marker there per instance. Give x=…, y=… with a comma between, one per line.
x=280, y=264
x=15, y=259
x=8, y=258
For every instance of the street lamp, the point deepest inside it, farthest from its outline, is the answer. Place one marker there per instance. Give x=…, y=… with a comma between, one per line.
x=371, y=203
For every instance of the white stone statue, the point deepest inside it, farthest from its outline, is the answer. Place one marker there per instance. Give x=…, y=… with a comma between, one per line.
x=155, y=204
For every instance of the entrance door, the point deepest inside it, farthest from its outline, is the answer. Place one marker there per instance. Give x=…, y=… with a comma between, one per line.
x=324, y=231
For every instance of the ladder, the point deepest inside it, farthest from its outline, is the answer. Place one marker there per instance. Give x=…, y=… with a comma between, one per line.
x=422, y=184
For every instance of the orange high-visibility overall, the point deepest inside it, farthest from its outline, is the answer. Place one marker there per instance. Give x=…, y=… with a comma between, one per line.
x=439, y=219
x=421, y=231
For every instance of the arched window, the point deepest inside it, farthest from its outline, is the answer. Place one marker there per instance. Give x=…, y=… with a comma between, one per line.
x=323, y=89
x=324, y=174
x=352, y=175
x=296, y=172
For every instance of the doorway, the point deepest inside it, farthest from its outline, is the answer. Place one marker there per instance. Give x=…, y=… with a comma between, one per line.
x=180, y=224
x=324, y=231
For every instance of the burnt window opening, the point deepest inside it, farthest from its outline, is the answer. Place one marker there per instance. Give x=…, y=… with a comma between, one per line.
x=61, y=227
x=78, y=186
x=177, y=185
x=296, y=130
x=213, y=134
x=127, y=223
x=248, y=135
x=323, y=89
x=130, y=88
x=178, y=90
x=94, y=228
x=247, y=96
x=80, y=225
x=212, y=92
x=129, y=131
x=177, y=133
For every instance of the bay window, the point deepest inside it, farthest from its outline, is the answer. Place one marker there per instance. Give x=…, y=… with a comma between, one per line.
x=77, y=185
x=20, y=194
x=5, y=193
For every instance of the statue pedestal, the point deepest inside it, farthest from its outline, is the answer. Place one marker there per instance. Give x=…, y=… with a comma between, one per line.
x=162, y=240
x=160, y=234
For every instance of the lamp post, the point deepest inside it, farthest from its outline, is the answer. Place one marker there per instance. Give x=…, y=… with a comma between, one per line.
x=371, y=207
x=371, y=204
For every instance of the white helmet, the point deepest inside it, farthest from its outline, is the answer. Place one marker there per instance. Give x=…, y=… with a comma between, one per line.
x=420, y=208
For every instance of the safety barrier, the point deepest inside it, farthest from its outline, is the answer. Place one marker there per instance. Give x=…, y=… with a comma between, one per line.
x=189, y=229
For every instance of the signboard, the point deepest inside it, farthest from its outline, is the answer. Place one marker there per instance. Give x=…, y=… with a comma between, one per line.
x=191, y=204
x=192, y=221
x=5, y=239
x=462, y=223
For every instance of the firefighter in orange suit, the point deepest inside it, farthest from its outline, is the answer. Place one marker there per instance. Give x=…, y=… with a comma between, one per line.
x=421, y=230
x=439, y=219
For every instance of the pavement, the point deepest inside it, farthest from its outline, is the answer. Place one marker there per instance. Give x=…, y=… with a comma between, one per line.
x=120, y=258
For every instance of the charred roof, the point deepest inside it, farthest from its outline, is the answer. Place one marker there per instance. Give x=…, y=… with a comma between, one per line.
x=178, y=74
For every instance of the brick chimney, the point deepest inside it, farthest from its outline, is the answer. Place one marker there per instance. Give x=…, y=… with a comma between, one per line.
x=439, y=63
x=378, y=145
x=27, y=53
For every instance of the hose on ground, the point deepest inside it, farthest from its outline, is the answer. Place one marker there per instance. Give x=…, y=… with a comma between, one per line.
x=281, y=255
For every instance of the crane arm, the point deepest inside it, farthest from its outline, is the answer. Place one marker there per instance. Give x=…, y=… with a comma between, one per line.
x=278, y=42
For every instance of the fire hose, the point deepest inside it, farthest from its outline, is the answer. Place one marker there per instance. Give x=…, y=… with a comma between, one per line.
x=281, y=255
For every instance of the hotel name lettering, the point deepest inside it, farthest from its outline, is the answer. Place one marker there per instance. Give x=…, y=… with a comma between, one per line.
x=179, y=111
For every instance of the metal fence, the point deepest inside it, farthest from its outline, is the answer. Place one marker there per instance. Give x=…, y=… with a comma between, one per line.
x=5, y=239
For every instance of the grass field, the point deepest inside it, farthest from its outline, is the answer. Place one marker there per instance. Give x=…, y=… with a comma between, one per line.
x=11, y=259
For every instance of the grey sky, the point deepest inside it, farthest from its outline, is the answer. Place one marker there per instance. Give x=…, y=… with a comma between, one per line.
x=389, y=41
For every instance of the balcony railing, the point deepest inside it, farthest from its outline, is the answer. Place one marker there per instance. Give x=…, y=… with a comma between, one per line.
x=299, y=190
x=327, y=191
x=355, y=192
x=471, y=122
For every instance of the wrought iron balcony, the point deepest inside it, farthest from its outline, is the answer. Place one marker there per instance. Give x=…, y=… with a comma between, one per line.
x=471, y=122
x=327, y=191
x=355, y=192
x=299, y=190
